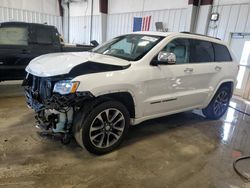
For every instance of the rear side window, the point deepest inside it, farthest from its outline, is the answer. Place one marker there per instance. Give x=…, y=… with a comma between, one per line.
x=13, y=36
x=44, y=35
x=201, y=51
x=221, y=53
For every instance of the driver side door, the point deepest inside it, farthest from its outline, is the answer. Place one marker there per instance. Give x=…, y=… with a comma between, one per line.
x=171, y=88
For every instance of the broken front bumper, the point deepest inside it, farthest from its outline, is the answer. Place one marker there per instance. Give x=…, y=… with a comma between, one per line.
x=55, y=101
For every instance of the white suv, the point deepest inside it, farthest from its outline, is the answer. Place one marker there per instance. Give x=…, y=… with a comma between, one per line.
x=95, y=96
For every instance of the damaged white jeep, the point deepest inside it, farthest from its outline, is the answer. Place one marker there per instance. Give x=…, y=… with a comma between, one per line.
x=95, y=96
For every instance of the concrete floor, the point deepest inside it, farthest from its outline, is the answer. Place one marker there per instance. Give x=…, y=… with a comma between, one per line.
x=182, y=150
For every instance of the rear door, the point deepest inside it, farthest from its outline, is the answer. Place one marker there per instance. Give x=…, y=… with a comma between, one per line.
x=211, y=65
x=14, y=51
x=204, y=68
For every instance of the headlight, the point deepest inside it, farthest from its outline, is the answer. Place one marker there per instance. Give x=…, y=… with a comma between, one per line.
x=65, y=87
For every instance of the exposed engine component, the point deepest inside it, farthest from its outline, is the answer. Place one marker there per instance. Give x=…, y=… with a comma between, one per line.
x=54, y=112
x=57, y=121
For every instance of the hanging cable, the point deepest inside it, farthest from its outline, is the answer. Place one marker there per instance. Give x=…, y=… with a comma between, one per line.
x=243, y=176
x=245, y=113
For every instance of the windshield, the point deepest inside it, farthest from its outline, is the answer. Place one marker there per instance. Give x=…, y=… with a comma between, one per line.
x=129, y=47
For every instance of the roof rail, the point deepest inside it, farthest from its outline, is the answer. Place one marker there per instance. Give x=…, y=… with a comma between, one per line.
x=185, y=32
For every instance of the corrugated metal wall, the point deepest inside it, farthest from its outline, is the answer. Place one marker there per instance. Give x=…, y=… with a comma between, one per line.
x=80, y=29
x=174, y=19
x=12, y=14
x=233, y=18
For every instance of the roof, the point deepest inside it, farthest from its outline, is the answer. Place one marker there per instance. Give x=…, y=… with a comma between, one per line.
x=24, y=24
x=156, y=33
x=183, y=34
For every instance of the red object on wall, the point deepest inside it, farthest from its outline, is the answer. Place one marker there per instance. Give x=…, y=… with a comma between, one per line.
x=146, y=23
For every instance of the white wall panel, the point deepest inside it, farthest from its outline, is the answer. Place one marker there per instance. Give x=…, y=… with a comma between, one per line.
x=171, y=20
x=225, y=11
x=45, y=6
x=177, y=20
x=80, y=29
x=174, y=20
x=83, y=8
x=233, y=18
x=183, y=20
x=247, y=28
x=120, y=24
x=230, y=2
x=244, y=9
x=12, y=14
x=126, y=6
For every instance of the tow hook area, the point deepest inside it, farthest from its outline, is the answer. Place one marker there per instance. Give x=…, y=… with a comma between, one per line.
x=65, y=138
x=56, y=124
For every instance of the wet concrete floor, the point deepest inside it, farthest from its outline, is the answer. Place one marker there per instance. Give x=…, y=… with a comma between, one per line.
x=182, y=150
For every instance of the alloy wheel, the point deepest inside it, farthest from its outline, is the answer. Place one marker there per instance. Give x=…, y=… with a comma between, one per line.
x=107, y=128
x=221, y=103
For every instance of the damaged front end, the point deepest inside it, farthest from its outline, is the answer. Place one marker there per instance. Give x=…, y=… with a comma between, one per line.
x=55, y=102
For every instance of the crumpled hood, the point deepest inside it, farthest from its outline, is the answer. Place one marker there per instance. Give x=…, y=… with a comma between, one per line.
x=61, y=63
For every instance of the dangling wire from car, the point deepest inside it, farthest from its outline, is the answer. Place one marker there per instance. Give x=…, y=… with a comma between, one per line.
x=244, y=177
x=245, y=113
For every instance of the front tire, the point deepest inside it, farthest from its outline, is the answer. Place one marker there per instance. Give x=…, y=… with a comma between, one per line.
x=219, y=104
x=105, y=127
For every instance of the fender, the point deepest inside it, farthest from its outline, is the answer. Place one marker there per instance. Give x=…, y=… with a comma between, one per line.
x=131, y=106
x=210, y=97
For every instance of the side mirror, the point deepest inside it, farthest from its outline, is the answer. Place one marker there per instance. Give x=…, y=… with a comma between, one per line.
x=94, y=43
x=166, y=57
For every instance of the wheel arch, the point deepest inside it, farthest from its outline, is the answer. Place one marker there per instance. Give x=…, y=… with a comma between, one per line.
x=227, y=83
x=124, y=97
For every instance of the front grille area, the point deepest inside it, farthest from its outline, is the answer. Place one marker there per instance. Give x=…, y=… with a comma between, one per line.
x=40, y=88
x=39, y=94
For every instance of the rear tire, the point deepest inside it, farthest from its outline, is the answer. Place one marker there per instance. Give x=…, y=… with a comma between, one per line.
x=219, y=104
x=105, y=127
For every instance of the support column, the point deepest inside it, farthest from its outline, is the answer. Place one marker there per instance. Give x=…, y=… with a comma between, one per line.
x=203, y=18
x=65, y=19
x=191, y=15
x=104, y=19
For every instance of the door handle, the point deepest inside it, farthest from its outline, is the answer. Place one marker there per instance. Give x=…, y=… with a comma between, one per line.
x=189, y=70
x=217, y=68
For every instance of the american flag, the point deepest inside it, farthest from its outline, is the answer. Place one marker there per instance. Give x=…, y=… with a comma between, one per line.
x=141, y=23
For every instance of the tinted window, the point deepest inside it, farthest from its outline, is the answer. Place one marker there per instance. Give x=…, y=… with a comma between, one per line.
x=201, y=51
x=13, y=36
x=44, y=35
x=221, y=53
x=180, y=47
